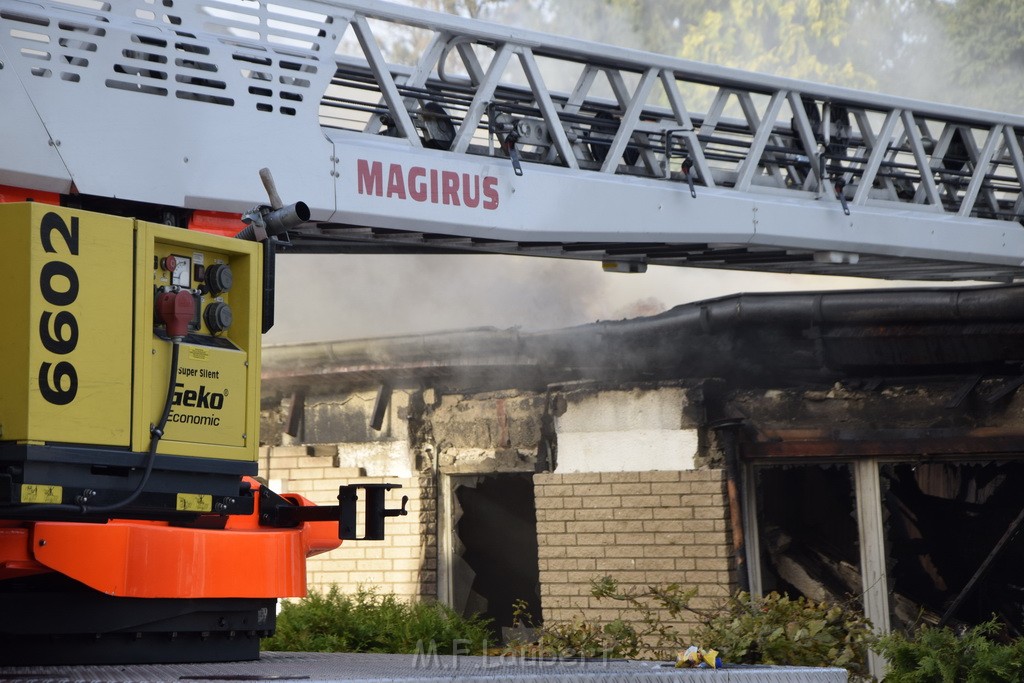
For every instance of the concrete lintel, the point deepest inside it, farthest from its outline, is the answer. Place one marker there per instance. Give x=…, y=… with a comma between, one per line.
x=486, y=460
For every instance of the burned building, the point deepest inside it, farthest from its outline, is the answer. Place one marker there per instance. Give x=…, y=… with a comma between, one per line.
x=832, y=444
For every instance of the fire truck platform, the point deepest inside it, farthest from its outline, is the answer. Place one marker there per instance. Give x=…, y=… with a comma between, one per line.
x=386, y=668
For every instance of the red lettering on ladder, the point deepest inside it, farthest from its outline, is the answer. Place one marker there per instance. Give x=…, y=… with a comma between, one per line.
x=421, y=184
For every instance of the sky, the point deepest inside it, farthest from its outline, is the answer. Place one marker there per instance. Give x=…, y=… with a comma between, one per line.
x=336, y=297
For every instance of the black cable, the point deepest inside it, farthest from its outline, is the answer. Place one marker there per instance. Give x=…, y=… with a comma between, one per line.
x=156, y=433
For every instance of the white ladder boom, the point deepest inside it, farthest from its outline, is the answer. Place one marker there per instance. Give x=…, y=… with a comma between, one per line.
x=500, y=140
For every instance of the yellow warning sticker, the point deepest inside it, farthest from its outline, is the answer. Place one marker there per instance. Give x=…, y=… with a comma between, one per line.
x=198, y=353
x=41, y=493
x=194, y=502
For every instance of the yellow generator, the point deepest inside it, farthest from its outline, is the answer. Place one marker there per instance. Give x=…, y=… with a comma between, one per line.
x=96, y=306
x=131, y=529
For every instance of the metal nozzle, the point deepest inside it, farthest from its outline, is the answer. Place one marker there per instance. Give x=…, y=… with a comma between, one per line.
x=287, y=217
x=264, y=223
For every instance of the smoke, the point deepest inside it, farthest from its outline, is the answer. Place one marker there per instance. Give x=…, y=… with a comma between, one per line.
x=336, y=297
x=321, y=297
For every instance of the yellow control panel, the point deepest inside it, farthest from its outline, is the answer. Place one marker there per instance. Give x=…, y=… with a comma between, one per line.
x=215, y=405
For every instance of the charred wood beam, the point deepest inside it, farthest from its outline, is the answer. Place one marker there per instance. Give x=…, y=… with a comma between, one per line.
x=1008, y=388
x=728, y=433
x=964, y=391
x=935, y=445
x=380, y=407
x=1008, y=535
x=295, y=414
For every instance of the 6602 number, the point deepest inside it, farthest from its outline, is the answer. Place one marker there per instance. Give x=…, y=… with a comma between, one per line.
x=58, y=329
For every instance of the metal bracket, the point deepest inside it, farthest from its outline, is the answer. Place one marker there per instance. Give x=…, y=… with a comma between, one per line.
x=508, y=146
x=373, y=510
x=839, y=186
x=277, y=511
x=822, y=166
x=507, y=131
x=686, y=167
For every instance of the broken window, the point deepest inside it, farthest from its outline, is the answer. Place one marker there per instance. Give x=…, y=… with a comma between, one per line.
x=952, y=546
x=494, y=546
x=807, y=531
x=954, y=551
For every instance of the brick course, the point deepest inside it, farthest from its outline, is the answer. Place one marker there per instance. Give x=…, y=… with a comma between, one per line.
x=640, y=528
x=405, y=563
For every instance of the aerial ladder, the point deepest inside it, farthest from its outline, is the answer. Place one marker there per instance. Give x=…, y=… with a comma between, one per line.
x=145, y=150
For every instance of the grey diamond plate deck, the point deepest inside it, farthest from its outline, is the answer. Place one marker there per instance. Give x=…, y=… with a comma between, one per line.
x=280, y=666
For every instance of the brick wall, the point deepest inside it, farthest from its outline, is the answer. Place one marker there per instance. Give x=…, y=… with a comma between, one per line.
x=405, y=563
x=640, y=528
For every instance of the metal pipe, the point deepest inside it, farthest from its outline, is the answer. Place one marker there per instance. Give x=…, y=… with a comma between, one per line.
x=676, y=336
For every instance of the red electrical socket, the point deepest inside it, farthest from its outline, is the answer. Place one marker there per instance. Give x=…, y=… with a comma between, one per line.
x=176, y=310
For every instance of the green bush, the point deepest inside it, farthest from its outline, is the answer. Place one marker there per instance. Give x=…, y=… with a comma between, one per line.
x=368, y=622
x=776, y=629
x=639, y=631
x=940, y=655
x=744, y=630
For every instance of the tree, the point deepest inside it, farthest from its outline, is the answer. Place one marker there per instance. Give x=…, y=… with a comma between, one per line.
x=968, y=52
x=404, y=44
x=469, y=8
x=986, y=41
x=807, y=39
x=654, y=26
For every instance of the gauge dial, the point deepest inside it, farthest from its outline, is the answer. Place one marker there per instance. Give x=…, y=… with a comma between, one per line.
x=182, y=273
